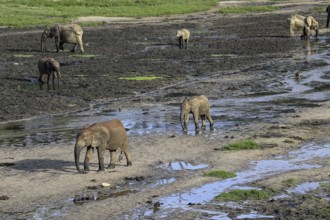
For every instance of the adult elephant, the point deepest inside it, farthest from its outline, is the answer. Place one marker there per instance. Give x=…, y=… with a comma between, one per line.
x=108, y=135
x=49, y=66
x=68, y=33
x=198, y=106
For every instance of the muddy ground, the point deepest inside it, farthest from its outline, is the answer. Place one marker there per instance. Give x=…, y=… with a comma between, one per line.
x=228, y=56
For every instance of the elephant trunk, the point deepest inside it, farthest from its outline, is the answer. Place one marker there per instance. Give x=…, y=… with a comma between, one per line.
x=76, y=157
x=43, y=40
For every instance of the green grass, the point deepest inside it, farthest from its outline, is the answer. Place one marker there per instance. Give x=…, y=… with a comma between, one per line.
x=83, y=55
x=290, y=182
x=220, y=174
x=23, y=55
x=141, y=78
x=239, y=194
x=23, y=13
x=247, y=9
x=241, y=145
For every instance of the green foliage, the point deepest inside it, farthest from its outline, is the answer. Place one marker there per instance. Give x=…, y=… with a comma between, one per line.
x=22, y=13
x=141, y=78
x=220, y=174
x=239, y=194
x=247, y=9
x=241, y=145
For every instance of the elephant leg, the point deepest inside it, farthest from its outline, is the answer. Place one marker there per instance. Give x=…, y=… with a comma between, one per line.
x=186, y=43
x=195, y=114
x=74, y=48
x=128, y=157
x=61, y=46
x=48, y=76
x=100, y=153
x=88, y=157
x=54, y=74
x=41, y=82
x=112, y=159
x=203, y=122
x=328, y=19
x=208, y=116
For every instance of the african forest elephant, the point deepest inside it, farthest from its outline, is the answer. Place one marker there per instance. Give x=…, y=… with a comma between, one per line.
x=69, y=33
x=49, y=66
x=183, y=36
x=108, y=135
x=310, y=24
x=198, y=106
x=296, y=22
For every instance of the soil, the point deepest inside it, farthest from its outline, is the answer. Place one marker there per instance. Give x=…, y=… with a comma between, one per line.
x=227, y=56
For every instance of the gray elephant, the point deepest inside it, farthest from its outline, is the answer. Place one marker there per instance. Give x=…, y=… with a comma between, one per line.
x=183, y=35
x=198, y=106
x=49, y=66
x=69, y=33
x=108, y=135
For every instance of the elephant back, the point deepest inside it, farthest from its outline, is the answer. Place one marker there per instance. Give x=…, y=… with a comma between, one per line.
x=118, y=134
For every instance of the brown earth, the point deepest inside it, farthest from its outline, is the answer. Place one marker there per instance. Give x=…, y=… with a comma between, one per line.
x=228, y=56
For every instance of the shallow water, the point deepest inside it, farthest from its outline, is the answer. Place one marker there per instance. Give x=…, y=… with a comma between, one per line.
x=295, y=160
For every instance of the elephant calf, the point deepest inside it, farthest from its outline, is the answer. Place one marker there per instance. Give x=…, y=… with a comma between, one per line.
x=183, y=36
x=108, y=135
x=49, y=66
x=69, y=33
x=198, y=106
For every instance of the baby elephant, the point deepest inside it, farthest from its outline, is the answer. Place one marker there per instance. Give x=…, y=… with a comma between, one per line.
x=183, y=36
x=310, y=24
x=49, y=66
x=108, y=135
x=198, y=106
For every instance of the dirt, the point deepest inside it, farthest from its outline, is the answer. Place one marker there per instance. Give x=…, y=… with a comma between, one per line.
x=227, y=56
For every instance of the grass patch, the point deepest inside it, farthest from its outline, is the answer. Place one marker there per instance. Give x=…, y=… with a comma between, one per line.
x=83, y=55
x=220, y=174
x=239, y=194
x=247, y=9
x=290, y=182
x=141, y=78
x=23, y=55
x=23, y=13
x=241, y=145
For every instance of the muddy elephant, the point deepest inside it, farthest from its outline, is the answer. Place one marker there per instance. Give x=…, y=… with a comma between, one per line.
x=310, y=24
x=198, y=106
x=296, y=23
x=108, y=135
x=69, y=33
x=183, y=35
x=49, y=66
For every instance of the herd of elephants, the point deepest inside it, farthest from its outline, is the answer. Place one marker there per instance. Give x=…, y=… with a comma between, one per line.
x=111, y=135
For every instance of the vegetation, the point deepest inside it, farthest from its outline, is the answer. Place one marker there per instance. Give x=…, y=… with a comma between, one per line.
x=241, y=145
x=141, y=78
x=290, y=182
x=239, y=194
x=22, y=13
x=247, y=9
x=220, y=174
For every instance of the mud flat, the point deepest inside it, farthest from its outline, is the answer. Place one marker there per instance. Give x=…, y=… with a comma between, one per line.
x=249, y=76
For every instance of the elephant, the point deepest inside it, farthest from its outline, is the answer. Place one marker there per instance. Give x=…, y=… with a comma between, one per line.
x=310, y=24
x=296, y=22
x=107, y=135
x=69, y=33
x=198, y=106
x=49, y=66
x=183, y=36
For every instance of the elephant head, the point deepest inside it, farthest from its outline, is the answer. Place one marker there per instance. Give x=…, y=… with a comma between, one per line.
x=51, y=32
x=90, y=137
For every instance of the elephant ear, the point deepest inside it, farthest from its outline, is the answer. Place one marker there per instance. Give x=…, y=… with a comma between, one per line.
x=100, y=136
x=309, y=21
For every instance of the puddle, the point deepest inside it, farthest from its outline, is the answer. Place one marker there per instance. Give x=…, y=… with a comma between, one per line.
x=254, y=215
x=180, y=165
x=295, y=160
